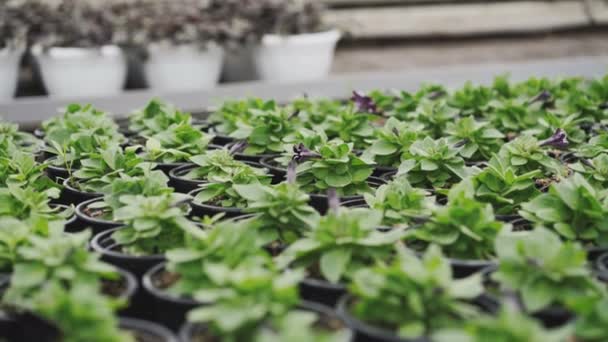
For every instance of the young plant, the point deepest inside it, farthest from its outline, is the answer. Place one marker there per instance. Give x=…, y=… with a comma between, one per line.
x=573, y=208
x=544, y=270
x=176, y=144
x=266, y=130
x=301, y=326
x=335, y=166
x=74, y=310
x=594, y=147
x=526, y=154
x=414, y=297
x=478, y=139
x=513, y=115
x=57, y=257
x=231, y=114
x=594, y=170
x=400, y=203
x=25, y=142
x=434, y=115
x=222, y=192
x=15, y=234
x=464, y=228
x=100, y=169
x=21, y=169
x=217, y=166
x=393, y=142
x=343, y=242
x=590, y=325
x=353, y=124
x=472, y=100
x=28, y=203
x=433, y=164
x=156, y=117
x=149, y=184
x=281, y=211
x=83, y=126
x=510, y=325
x=153, y=224
x=499, y=185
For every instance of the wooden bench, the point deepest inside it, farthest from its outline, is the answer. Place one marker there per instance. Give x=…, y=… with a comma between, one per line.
x=377, y=19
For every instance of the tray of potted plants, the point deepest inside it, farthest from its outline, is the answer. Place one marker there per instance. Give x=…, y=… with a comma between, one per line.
x=266, y=222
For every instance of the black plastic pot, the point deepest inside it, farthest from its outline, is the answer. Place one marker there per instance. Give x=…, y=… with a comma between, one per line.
x=319, y=202
x=554, y=316
x=388, y=176
x=39, y=133
x=145, y=331
x=167, y=167
x=201, y=209
x=364, y=332
x=594, y=253
x=279, y=172
x=464, y=268
x=96, y=224
x=248, y=157
x=71, y=195
x=601, y=263
x=26, y=327
x=219, y=139
x=168, y=309
x=71, y=223
x=56, y=173
x=380, y=171
x=184, y=185
x=129, y=290
x=321, y=291
x=508, y=218
x=110, y=252
x=327, y=316
x=141, y=305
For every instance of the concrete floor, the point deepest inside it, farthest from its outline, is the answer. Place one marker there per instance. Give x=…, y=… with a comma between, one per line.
x=383, y=56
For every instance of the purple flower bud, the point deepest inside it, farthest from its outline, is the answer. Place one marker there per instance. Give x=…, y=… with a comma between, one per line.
x=238, y=147
x=333, y=200
x=291, y=172
x=365, y=104
x=301, y=153
x=544, y=97
x=559, y=140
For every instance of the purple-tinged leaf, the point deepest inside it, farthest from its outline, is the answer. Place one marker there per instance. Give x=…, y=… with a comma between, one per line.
x=301, y=153
x=559, y=140
x=365, y=104
x=238, y=147
x=543, y=97
x=461, y=143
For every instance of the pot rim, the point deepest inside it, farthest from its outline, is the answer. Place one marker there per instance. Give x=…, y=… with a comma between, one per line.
x=70, y=53
x=233, y=210
x=81, y=215
x=355, y=324
x=148, y=285
x=148, y=327
x=97, y=247
x=66, y=184
x=325, y=36
x=131, y=283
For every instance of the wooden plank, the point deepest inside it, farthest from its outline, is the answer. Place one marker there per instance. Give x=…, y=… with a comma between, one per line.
x=458, y=20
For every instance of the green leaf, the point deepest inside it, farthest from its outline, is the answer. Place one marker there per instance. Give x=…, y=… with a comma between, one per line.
x=333, y=263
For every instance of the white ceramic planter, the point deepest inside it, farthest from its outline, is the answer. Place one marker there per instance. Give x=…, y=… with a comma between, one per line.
x=183, y=68
x=301, y=57
x=79, y=72
x=9, y=72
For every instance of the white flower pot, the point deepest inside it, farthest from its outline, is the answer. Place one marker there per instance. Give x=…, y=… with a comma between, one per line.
x=9, y=72
x=183, y=68
x=301, y=57
x=80, y=72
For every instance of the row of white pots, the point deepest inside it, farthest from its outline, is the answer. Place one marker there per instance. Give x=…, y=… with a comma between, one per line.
x=77, y=72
